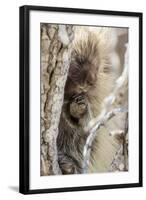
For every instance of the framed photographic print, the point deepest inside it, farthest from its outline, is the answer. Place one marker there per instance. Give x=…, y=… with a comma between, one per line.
x=80, y=99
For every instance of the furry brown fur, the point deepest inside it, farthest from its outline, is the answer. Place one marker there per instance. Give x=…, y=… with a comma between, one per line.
x=90, y=80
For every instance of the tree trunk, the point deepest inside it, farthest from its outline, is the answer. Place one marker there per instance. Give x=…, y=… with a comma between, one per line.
x=55, y=59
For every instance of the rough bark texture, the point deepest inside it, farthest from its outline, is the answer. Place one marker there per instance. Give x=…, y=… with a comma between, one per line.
x=55, y=58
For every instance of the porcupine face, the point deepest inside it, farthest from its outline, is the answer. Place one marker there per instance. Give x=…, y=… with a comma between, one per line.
x=81, y=77
x=81, y=80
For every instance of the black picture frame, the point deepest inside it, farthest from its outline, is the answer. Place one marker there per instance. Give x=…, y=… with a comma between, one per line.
x=25, y=105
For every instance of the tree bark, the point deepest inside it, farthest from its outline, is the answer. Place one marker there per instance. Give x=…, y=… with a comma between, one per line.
x=55, y=58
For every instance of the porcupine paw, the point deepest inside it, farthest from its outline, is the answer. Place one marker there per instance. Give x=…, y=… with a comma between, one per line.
x=66, y=164
x=78, y=106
